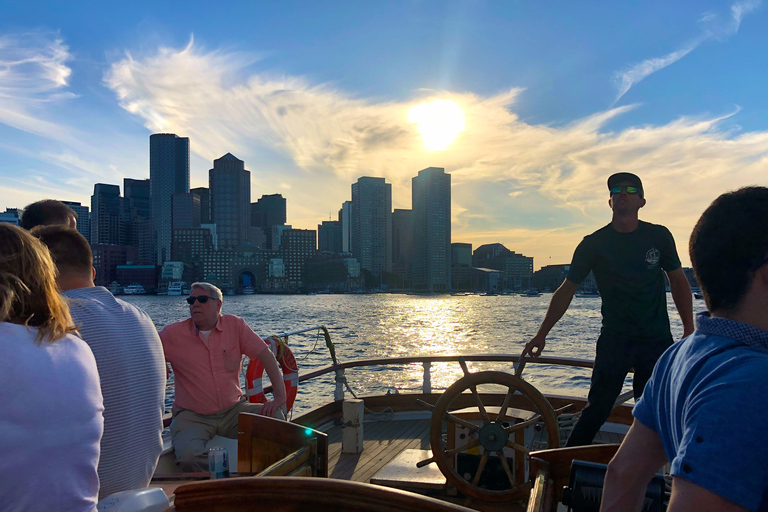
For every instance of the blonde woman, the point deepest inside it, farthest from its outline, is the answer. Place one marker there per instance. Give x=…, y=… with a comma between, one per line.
x=50, y=400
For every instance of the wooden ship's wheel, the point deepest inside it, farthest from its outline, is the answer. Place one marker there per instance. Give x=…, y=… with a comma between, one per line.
x=487, y=430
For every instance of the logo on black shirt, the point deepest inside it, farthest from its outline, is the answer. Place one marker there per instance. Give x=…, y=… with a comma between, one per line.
x=652, y=257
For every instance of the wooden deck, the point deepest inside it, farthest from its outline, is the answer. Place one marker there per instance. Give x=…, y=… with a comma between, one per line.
x=383, y=441
x=386, y=439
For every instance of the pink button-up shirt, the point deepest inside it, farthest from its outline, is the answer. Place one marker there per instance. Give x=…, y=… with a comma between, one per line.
x=207, y=372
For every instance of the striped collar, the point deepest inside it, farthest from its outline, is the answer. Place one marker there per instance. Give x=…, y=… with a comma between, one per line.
x=741, y=332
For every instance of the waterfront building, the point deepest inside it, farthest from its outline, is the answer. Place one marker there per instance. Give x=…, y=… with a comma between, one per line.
x=431, y=198
x=230, y=185
x=168, y=175
x=327, y=272
x=549, y=277
x=270, y=210
x=517, y=269
x=329, y=237
x=107, y=220
x=371, y=233
x=107, y=257
x=461, y=267
x=83, y=218
x=296, y=247
x=144, y=275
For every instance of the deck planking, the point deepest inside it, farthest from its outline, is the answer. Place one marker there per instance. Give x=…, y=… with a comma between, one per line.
x=383, y=441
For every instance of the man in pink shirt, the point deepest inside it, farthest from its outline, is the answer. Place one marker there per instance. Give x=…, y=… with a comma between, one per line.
x=205, y=352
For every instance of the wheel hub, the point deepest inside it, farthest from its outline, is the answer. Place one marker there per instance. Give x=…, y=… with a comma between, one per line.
x=493, y=437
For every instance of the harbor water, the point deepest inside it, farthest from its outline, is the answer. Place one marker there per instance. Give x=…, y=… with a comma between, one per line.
x=390, y=325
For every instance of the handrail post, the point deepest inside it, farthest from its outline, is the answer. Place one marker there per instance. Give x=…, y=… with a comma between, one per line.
x=427, y=388
x=338, y=393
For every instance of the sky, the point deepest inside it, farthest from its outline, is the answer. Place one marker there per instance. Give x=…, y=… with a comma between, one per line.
x=529, y=106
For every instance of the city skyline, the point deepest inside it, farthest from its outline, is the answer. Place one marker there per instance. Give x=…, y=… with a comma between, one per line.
x=529, y=110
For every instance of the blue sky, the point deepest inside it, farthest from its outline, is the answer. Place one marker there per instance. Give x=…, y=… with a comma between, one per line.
x=312, y=95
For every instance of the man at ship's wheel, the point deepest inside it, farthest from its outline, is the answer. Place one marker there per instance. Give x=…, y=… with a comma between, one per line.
x=628, y=259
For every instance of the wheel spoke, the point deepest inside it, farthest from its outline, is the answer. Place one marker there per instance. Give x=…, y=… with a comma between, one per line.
x=480, y=468
x=518, y=447
x=480, y=406
x=505, y=465
x=523, y=424
x=464, y=423
x=471, y=444
x=504, y=406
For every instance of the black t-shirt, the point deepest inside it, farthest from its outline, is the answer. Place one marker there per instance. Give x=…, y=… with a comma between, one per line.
x=628, y=272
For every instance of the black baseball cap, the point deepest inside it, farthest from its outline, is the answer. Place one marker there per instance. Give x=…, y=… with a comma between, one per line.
x=628, y=177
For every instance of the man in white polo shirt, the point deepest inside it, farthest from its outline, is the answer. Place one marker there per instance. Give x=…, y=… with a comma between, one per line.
x=129, y=357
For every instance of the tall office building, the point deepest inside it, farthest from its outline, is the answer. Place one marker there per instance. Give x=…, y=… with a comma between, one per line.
x=402, y=240
x=186, y=211
x=270, y=210
x=205, y=203
x=106, y=215
x=329, y=236
x=431, y=200
x=230, y=186
x=83, y=218
x=168, y=174
x=371, y=232
x=345, y=216
x=136, y=213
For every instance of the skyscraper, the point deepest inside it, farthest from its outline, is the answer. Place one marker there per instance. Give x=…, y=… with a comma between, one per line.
x=270, y=210
x=371, y=232
x=345, y=216
x=230, y=189
x=402, y=241
x=136, y=213
x=106, y=215
x=432, y=230
x=329, y=236
x=168, y=174
x=205, y=203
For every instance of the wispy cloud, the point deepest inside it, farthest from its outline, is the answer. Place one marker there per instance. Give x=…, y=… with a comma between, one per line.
x=513, y=182
x=33, y=73
x=713, y=27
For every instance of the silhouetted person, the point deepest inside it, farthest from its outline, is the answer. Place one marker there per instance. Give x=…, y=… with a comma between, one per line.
x=628, y=258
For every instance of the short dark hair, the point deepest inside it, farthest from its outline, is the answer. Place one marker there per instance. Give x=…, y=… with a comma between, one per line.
x=46, y=212
x=70, y=250
x=727, y=245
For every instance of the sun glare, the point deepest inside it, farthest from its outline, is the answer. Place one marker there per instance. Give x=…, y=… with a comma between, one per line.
x=439, y=122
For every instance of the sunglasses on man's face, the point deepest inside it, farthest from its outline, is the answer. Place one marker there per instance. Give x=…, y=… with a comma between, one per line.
x=201, y=298
x=630, y=189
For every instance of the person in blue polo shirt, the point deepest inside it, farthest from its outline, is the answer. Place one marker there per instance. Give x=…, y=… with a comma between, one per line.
x=628, y=258
x=703, y=408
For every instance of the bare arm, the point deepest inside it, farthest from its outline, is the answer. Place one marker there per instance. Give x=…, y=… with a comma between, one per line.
x=276, y=377
x=681, y=294
x=639, y=457
x=561, y=299
x=689, y=497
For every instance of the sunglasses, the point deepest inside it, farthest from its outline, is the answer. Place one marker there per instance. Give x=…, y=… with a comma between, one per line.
x=200, y=298
x=630, y=189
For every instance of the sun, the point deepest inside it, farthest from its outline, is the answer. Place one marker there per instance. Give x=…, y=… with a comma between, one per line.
x=439, y=122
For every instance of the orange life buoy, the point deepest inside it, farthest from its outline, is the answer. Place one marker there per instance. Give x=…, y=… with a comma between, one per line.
x=255, y=372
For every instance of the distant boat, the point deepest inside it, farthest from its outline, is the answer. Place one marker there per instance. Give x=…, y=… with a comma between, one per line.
x=698, y=295
x=248, y=290
x=175, y=287
x=588, y=293
x=530, y=293
x=134, y=289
